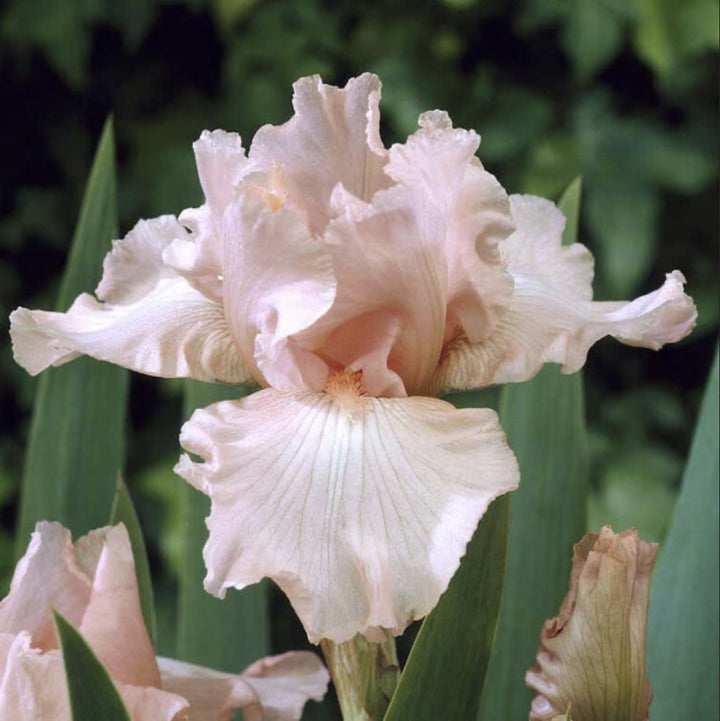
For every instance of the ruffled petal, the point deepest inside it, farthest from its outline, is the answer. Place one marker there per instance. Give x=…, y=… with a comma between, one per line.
x=438, y=164
x=113, y=623
x=332, y=138
x=32, y=684
x=284, y=683
x=389, y=315
x=479, y=287
x=48, y=576
x=221, y=164
x=278, y=281
x=413, y=260
x=274, y=689
x=152, y=320
x=552, y=317
x=359, y=508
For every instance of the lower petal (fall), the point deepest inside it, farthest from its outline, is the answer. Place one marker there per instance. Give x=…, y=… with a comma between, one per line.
x=360, y=508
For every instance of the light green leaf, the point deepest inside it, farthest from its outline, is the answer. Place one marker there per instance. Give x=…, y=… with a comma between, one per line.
x=92, y=692
x=570, y=206
x=545, y=422
x=445, y=673
x=123, y=511
x=669, y=32
x=224, y=634
x=76, y=444
x=684, y=604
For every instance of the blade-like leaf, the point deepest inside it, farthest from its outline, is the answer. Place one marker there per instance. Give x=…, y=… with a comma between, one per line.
x=570, y=206
x=445, y=672
x=76, y=444
x=545, y=422
x=225, y=634
x=92, y=692
x=684, y=606
x=123, y=511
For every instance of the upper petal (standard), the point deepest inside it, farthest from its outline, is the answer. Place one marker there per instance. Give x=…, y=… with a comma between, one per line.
x=332, y=138
x=417, y=256
x=278, y=282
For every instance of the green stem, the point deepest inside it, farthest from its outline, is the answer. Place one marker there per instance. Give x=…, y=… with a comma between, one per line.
x=365, y=675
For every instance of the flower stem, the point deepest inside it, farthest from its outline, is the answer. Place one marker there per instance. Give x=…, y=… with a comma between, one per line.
x=365, y=675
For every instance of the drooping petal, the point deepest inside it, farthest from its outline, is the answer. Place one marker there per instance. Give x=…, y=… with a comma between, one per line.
x=48, y=576
x=113, y=623
x=152, y=320
x=332, y=138
x=359, y=508
x=551, y=317
x=278, y=281
x=273, y=689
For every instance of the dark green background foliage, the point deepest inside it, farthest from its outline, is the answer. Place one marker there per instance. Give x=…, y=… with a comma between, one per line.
x=622, y=92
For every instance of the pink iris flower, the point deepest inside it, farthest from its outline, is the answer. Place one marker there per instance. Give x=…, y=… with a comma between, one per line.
x=353, y=283
x=92, y=583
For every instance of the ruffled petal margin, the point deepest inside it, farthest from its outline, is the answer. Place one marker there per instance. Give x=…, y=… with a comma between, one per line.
x=360, y=508
x=152, y=320
x=274, y=689
x=552, y=318
x=332, y=138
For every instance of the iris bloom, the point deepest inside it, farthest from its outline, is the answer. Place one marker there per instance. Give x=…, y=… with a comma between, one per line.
x=592, y=655
x=353, y=283
x=92, y=583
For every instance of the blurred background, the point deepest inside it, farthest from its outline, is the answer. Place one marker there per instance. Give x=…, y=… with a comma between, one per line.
x=622, y=92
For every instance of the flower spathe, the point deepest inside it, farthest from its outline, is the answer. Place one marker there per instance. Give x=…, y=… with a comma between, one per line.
x=92, y=583
x=352, y=282
x=592, y=655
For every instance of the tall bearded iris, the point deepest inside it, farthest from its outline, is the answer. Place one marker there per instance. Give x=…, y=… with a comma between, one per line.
x=353, y=283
